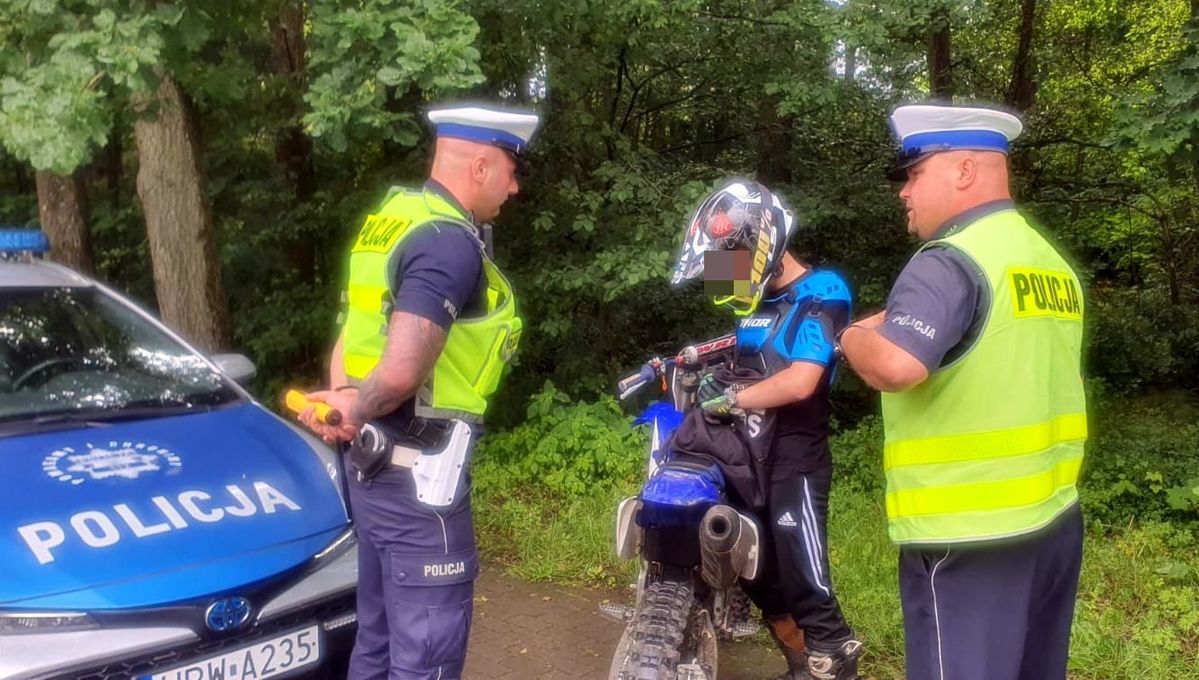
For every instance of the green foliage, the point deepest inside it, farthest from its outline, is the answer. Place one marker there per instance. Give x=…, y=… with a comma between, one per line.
x=857, y=456
x=567, y=449
x=1184, y=497
x=1138, y=604
x=366, y=59
x=68, y=62
x=647, y=105
x=1140, y=462
x=1137, y=340
x=547, y=488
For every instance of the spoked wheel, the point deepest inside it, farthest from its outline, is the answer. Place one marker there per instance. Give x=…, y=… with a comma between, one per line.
x=652, y=642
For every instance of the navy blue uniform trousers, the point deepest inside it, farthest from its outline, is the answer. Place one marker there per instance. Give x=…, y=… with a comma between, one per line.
x=992, y=611
x=416, y=571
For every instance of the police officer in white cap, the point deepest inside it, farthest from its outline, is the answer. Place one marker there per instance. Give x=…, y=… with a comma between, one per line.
x=428, y=324
x=978, y=358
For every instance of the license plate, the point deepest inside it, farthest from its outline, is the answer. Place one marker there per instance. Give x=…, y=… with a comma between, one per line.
x=261, y=660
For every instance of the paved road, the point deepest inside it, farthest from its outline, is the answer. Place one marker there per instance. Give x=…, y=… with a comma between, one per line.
x=527, y=630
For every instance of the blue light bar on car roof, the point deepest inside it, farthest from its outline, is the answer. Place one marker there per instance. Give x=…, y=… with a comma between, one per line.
x=24, y=241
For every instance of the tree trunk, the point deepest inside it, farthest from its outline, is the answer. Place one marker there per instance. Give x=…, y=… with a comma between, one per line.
x=774, y=144
x=62, y=208
x=22, y=177
x=940, y=67
x=1195, y=158
x=851, y=62
x=113, y=170
x=1022, y=90
x=293, y=148
x=170, y=185
x=109, y=163
x=1194, y=49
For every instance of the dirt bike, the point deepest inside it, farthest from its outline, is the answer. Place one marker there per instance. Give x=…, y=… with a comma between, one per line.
x=692, y=545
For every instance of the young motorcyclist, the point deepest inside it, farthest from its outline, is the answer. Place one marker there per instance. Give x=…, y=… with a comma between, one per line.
x=789, y=314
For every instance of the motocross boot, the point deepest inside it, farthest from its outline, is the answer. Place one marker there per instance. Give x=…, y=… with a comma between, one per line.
x=790, y=640
x=837, y=662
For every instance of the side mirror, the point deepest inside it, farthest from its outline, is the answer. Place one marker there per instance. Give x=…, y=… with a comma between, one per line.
x=236, y=366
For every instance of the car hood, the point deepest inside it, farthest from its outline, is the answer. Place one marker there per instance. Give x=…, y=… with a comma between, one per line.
x=162, y=510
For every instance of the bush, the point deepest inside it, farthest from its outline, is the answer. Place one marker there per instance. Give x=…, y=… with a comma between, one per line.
x=1136, y=339
x=546, y=494
x=547, y=490
x=563, y=448
x=1137, y=614
x=858, y=457
x=1141, y=461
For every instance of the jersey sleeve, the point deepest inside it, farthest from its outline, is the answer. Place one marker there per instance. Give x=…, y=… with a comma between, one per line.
x=811, y=331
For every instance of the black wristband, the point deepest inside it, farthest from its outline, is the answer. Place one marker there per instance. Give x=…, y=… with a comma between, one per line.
x=837, y=339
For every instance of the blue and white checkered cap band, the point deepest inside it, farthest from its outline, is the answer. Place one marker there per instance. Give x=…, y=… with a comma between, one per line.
x=947, y=140
x=504, y=140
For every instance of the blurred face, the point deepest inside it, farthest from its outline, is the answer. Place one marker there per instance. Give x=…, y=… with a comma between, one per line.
x=495, y=173
x=929, y=194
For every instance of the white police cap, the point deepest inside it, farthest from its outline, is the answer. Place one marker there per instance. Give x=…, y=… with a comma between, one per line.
x=508, y=129
x=925, y=129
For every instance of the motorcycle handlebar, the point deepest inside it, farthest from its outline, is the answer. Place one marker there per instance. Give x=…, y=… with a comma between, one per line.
x=630, y=385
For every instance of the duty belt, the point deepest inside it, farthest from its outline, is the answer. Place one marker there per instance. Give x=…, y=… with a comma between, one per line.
x=404, y=456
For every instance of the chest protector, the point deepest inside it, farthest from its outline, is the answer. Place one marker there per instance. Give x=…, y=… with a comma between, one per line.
x=476, y=349
x=787, y=328
x=990, y=446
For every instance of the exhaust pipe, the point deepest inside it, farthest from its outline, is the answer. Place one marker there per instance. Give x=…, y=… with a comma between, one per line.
x=723, y=547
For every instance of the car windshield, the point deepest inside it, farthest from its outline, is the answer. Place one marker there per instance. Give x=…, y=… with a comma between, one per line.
x=79, y=352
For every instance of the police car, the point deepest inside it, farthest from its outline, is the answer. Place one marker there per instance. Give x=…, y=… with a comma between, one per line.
x=156, y=522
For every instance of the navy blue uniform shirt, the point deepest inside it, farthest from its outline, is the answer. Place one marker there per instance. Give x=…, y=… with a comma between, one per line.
x=436, y=274
x=937, y=305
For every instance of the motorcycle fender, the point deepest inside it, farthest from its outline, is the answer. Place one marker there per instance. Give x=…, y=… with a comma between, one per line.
x=628, y=534
x=751, y=543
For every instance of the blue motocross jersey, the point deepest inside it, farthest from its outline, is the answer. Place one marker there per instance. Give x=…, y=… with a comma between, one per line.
x=799, y=324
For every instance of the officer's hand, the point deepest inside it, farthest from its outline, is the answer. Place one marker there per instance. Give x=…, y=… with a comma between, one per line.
x=344, y=431
x=873, y=321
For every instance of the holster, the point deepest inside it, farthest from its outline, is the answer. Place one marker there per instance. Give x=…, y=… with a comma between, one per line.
x=370, y=452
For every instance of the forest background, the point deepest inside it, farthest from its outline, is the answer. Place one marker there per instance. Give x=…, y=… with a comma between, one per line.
x=214, y=159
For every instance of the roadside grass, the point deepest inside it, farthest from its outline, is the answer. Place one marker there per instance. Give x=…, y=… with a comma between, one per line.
x=1137, y=614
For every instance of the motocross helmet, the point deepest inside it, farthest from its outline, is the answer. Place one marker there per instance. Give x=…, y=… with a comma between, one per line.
x=741, y=215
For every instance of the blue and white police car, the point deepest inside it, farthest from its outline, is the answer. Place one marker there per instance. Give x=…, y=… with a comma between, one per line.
x=155, y=522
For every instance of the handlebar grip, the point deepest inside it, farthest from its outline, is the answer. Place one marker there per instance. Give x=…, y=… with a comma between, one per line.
x=630, y=383
x=297, y=402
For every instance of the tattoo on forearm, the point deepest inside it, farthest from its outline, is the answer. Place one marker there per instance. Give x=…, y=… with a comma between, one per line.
x=413, y=345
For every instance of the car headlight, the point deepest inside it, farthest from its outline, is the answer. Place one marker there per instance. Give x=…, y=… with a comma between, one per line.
x=15, y=623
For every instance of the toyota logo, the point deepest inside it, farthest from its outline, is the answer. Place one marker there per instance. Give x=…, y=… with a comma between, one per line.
x=228, y=614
